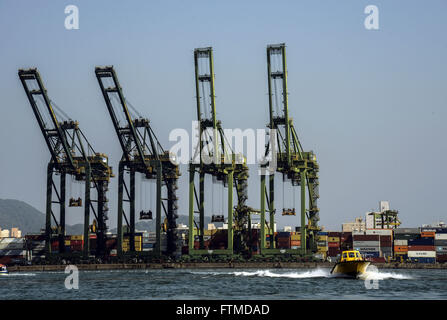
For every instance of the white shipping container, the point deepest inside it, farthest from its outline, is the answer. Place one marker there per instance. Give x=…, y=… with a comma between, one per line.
x=367, y=249
x=440, y=236
x=407, y=231
x=382, y=232
x=366, y=243
x=401, y=242
x=422, y=254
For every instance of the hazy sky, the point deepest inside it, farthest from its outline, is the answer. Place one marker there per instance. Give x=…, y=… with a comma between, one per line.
x=370, y=104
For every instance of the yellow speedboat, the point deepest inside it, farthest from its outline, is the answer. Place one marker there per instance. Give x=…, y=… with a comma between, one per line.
x=351, y=264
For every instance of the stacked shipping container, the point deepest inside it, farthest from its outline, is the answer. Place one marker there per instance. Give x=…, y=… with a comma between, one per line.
x=441, y=245
x=334, y=244
x=12, y=250
x=422, y=249
x=322, y=243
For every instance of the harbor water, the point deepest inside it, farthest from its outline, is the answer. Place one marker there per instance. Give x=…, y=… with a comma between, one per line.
x=235, y=284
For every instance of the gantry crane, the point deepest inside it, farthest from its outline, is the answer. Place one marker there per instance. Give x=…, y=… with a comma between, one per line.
x=214, y=157
x=295, y=164
x=142, y=153
x=73, y=155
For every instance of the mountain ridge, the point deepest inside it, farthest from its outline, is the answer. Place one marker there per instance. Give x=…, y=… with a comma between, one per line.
x=19, y=214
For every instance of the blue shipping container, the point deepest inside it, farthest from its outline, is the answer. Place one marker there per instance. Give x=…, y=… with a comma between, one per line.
x=421, y=242
x=370, y=254
x=423, y=260
x=283, y=234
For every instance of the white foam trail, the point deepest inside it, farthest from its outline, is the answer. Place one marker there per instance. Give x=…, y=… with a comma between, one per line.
x=378, y=275
x=318, y=273
x=18, y=274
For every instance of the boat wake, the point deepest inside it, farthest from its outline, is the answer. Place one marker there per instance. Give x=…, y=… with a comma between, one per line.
x=13, y=274
x=380, y=275
x=318, y=273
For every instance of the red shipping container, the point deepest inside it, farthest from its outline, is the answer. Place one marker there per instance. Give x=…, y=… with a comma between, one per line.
x=421, y=248
x=333, y=252
x=366, y=237
x=284, y=243
x=386, y=240
x=333, y=244
x=334, y=234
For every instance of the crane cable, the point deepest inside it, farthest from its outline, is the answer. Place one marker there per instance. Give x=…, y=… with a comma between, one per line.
x=141, y=192
x=212, y=197
x=222, y=198
x=283, y=198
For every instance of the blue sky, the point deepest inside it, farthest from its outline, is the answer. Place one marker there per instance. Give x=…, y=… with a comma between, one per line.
x=370, y=104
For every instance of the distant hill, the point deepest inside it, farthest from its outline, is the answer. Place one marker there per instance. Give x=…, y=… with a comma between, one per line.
x=16, y=213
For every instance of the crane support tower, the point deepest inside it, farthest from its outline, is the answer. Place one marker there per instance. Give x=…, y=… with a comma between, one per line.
x=72, y=155
x=142, y=153
x=296, y=165
x=214, y=158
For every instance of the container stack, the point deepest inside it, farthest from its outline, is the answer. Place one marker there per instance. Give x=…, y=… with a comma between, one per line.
x=441, y=245
x=334, y=244
x=401, y=238
x=67, y=244
x=346, y=241
x=322, y=243
x=149, y=241
x=400, y=249
x=54, y=243
x=422, y=250
x=367, y=244
x=386, y=242
x=76, y=242
x=283, y=240
x=12, y=250
x=111, y=245
x=217, y=241
x=254, y=241
x=126, y=242
x=92, y=242
x=295, y=240
x=35, y=245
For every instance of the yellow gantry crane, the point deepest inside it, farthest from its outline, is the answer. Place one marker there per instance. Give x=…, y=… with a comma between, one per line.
x=73, y=155
x=213, y=157
x=142, y=153
x=288, y=158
